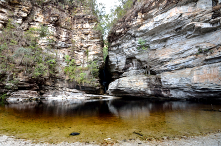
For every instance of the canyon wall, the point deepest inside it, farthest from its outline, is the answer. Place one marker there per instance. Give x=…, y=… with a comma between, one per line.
x=167, y=49
x=72, y=33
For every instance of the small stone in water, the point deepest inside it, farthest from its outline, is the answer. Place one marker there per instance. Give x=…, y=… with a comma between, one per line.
x=75, y=133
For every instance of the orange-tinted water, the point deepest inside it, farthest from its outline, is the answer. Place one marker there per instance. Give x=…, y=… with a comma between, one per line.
x=116, y=119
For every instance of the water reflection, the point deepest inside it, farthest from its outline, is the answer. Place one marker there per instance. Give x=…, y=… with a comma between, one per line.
x=118, y=107
x=101, y=119
x=130, y=109
x=54, y=108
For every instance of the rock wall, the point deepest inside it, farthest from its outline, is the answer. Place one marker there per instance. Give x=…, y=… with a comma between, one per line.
x=183, y=52
x=72, y=31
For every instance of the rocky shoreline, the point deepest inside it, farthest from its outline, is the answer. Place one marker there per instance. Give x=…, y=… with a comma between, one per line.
x=66, y=94
x=204, y=140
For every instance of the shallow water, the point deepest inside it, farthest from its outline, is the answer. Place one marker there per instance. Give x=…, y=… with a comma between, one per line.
x=116, y=119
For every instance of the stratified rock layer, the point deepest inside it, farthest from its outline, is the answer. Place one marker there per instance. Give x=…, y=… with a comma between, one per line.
x=72, y=31
x=184, y=53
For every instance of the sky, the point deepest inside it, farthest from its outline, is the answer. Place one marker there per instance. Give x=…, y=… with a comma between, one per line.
x=108, y=4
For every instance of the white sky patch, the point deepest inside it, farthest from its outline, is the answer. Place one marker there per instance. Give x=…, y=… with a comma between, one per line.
x=108, y=4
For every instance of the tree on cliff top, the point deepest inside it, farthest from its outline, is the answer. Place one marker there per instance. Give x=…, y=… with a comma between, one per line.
x=119, y=12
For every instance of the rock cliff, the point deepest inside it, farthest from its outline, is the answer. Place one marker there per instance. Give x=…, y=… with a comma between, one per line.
x=181, y=50
x=72, y=33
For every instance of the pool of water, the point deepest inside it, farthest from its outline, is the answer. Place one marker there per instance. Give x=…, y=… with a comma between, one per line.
x=117, y=119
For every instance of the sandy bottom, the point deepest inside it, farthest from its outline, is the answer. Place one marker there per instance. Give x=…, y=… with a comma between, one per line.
x=206, y=140
x=118, y=120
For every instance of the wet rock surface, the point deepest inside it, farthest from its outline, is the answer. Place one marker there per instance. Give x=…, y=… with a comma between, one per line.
x=183, y=50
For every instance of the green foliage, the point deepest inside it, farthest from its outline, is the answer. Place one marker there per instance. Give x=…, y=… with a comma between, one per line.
x=93, y=67
x=20, y=52
x=200, y=50
x=142, y=45
x=99, y=11
x=87, y=53
x=81, y=78
x=20, y=48
x=105, y=49
x=43, y=31
x=121, y=10
x=118, y=12
x=70, y=70
x=105, y=52
x=107, y=21
x=14, y=81
x=40, y=69
x=3, y=98
x=9, y=25
x=67, y=59
x=13, y=42
x=80, y=74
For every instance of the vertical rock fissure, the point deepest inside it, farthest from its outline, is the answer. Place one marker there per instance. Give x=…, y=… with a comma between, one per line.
x=214, y=2
x=105, y=76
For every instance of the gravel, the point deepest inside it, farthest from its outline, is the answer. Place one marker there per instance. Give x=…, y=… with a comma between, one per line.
x=207, y=140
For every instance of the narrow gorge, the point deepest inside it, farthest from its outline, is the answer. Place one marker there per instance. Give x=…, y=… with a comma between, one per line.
x=147, y=73
x=163, y=48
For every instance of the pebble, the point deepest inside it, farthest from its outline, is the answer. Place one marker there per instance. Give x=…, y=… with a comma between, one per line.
x=107, y=139
x=211, y=139
x=74, y=134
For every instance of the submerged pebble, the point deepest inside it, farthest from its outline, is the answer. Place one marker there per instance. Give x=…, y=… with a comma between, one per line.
x=74, y=133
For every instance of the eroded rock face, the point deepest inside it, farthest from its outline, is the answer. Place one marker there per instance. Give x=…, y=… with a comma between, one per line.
x=23, y=96
x=184, y=50
x=72, y=31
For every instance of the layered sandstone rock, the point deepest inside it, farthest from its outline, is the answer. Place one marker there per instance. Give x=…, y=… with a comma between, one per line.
x=183, y=55
x=72, y=31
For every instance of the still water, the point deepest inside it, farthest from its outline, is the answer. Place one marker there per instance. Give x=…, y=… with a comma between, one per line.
x=116, y=119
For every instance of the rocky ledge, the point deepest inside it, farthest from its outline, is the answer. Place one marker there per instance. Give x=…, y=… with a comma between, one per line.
x=181, y=55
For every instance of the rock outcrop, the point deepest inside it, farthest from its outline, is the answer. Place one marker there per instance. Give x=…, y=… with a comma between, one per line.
x=72, y=33
x=182, y=50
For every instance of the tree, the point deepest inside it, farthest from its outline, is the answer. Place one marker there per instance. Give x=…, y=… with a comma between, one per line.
x=22, y=48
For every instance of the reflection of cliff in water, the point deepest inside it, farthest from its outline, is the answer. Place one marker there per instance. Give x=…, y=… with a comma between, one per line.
x=118, y=119
x=144, y=108
x=118, y=107
x=55, y=108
